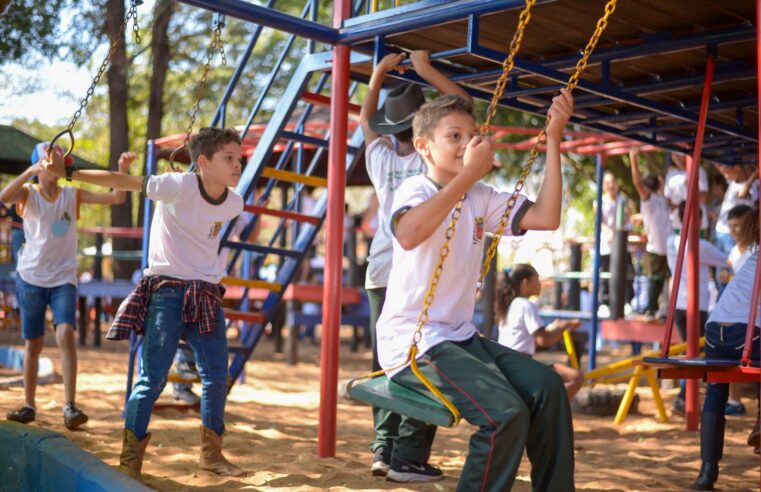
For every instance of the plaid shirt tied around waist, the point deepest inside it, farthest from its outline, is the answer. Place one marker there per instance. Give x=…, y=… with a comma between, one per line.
x=199, y=305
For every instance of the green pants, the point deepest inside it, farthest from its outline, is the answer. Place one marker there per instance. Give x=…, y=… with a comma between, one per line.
x=514, y=401
x=405, y=438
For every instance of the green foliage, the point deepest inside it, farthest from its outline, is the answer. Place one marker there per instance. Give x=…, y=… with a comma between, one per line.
x=32, y=27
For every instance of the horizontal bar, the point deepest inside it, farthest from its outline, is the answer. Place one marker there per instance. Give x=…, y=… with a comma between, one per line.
x=291, y=177
x=252, y=284
x=320, y=100
x=284, y=214
x=270, y=18
x=715, y=105
x=265, y=250
x=305, y=139
x=418, y=16
x=244, y=316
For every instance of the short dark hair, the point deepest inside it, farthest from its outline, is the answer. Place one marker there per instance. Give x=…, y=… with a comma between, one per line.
x=429, y=114
x=209, y=140
x=404, y=135
x=652, y=182
x=738, y=212
x=682, y=207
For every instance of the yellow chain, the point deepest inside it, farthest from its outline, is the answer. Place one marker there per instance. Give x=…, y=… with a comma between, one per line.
x=573, y=81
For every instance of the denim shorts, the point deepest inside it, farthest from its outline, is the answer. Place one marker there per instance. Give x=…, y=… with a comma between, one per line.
x=33, y=301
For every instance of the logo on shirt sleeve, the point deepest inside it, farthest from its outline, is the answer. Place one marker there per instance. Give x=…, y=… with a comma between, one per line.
x=478, y=230
x=214, y=232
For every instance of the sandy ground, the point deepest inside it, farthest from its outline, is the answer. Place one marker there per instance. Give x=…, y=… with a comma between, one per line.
x=272, y=433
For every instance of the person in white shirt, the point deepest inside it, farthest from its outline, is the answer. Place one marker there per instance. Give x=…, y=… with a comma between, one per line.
x=46, y=273
x=390, y=158
x=488, y=383
x=726, y=331
x=179, y=293
x=742, y=189
x=612, y=200
x=655, y=214
x=521, y=328
x=709, y=256
x=675, y=190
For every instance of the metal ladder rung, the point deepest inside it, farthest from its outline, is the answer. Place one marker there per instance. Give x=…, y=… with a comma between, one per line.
x=284, y=214
x=265, y=250
x=291, y=177
x=252, y=284
x=320, y=100
x=251, y=317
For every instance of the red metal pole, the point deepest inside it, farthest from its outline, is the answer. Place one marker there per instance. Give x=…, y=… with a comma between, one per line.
x=693, y=301
x=331, y=293
x=692, y=197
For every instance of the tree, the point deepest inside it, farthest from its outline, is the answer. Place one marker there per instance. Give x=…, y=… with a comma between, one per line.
x=30, y=27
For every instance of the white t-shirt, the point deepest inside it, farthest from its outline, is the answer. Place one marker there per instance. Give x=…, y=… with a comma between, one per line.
x=387, y=171
x=709, y=256
x=452, y=309
x=655, y=215
x=734, y=302
x=675, y=191
x=737, y=259
x=518, y=329
x=731, y=200
x=185, y=232
x=49, y=256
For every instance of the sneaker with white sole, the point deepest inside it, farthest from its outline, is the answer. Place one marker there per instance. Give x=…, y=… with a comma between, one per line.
x=381, y=462
x=73, y=417
x=185, y=394
x=405, y=471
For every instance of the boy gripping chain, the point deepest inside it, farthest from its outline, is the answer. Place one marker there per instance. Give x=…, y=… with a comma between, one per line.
x=391, y=158
x=179, y=292
x=46, y=273
x=514, y=401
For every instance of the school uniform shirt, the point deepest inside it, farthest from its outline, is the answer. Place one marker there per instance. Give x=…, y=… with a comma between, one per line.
x=387, y=171
x=731, y=200
x=520, y=325
x=737, y=259
x=675, y=191
x=655, y=215
x=733, y=305
x=608, y=229
x=709, y=256
x=452, y=309
x=185, y=232
x=49, y=255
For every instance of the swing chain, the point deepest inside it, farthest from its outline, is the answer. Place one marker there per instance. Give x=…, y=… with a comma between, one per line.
x=507, y=66
x=216, y=45
x=131, y=14
x=573, y=81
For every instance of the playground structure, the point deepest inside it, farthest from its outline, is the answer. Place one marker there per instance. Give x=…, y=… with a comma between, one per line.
x=626, y=91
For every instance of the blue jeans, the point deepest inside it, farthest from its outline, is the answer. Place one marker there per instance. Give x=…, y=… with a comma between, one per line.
x=722, y=342
x=34, y=300
x=163, y=328
x=724, y=242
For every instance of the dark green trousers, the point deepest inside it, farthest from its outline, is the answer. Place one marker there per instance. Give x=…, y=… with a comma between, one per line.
x=515, y=402
x=406, y=438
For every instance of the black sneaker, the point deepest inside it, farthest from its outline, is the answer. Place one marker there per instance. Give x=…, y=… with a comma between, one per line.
x=73, y=417
x=404, y=471
x=186, y=395
x=679, y=407
x=754, y=439
x=381, y=462
x=22, y=415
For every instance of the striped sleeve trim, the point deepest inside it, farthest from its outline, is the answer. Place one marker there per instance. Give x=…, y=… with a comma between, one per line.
x=518, y=215
x=395, y=218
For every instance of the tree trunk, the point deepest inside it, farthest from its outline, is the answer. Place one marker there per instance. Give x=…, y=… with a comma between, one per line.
x=121, y=215
x=160, y=56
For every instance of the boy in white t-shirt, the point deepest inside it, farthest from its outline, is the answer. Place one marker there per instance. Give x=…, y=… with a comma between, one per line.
x=655, y=215
x=46, y=273
x=675, y=190
x=390, y=158
x=514, y=401
x=179, y=292
x=742, y=189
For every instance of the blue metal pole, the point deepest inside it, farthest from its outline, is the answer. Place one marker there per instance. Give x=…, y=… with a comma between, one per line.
x=596, y=266
x=270, y=18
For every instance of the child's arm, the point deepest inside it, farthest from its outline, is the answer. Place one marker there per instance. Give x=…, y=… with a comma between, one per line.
x=114, y=197
x=545, y=213
x=109, y=179
x=644, y=194
x=421, y=62
x=554, y=331
x=13, y=191
x=370, y=104
x=418, y=223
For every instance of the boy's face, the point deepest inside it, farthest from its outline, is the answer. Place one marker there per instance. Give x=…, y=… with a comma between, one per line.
x=735, y=225
x=444, y=146
x=224, y=167
x=610, y=185
x=46, y=178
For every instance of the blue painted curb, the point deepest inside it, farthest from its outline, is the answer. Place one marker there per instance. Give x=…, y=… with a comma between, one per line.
x=38, y=459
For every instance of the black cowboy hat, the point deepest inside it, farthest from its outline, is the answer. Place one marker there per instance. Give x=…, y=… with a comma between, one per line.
x=402, y=102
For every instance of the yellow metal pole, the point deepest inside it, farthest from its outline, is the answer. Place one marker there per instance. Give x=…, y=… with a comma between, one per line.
x=652, y=380
x=626, y=401
x=568, y=340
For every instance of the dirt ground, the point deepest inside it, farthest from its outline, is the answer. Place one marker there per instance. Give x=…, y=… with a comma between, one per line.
x=272, y=433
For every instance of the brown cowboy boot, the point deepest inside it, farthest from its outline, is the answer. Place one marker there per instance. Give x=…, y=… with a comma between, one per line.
x=131, y=460
x=211, y=455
